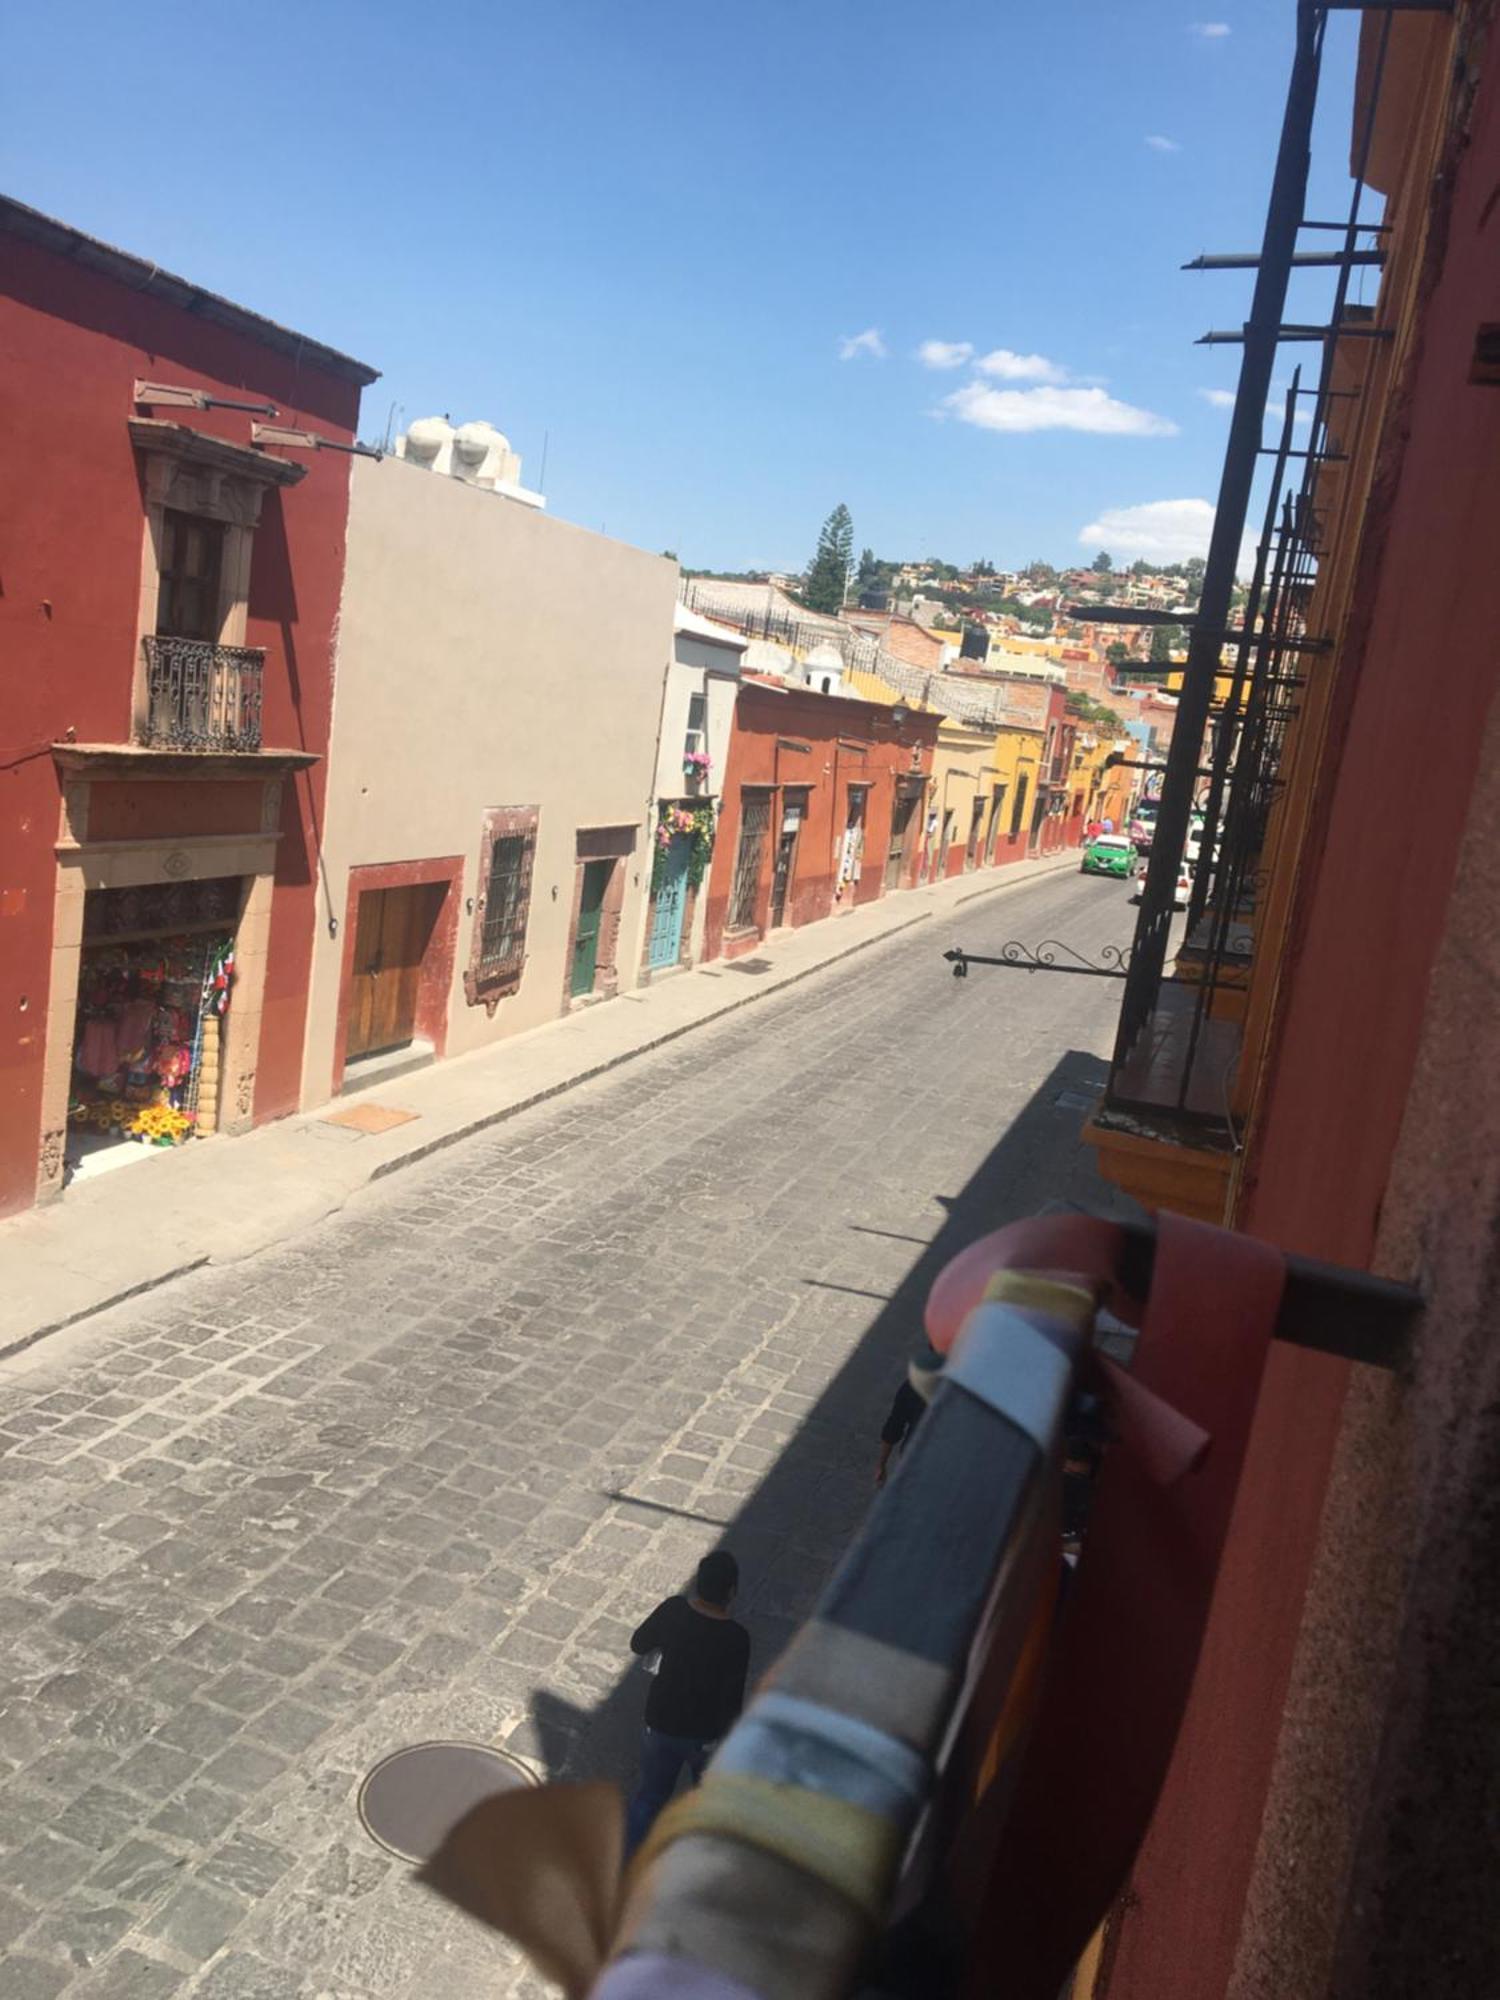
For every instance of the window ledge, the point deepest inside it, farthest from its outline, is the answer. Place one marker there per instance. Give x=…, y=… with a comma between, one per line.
x=141, y=760
x=488, y=989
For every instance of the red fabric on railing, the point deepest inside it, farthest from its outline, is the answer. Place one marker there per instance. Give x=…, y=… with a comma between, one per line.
x=1122, y=1667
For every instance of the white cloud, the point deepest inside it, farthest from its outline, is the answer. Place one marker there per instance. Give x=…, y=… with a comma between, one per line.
x=1222, y=399
x=1053, y=409
x=1209, y=31
x=1007, y=366
x=1276, y=414
x=852, y=345
x=1159, y=531
x=1159, y=144
x=945, y=353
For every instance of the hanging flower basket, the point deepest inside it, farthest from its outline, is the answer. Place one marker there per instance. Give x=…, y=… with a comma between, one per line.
x=696, y=823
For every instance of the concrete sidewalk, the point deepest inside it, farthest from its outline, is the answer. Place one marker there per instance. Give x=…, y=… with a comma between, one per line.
x=225, y=1199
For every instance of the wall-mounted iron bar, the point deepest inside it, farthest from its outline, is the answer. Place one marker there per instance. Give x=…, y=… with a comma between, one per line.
x=1302, y=260
x=1226, y=338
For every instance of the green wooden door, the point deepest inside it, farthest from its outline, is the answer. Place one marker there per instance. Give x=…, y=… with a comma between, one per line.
x=586, y=940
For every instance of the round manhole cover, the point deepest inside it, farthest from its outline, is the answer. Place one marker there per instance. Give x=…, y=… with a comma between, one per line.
x=413, y=1799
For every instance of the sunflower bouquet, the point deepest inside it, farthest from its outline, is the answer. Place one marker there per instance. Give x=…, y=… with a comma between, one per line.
x=161, y=1125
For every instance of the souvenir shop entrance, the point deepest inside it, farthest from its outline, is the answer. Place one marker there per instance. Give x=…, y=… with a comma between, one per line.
x=156, y=981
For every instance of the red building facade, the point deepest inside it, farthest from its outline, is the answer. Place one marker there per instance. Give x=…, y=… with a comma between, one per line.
x=1317, y=1832
x=823, y=810
x=1058, y=815
x=170, y=592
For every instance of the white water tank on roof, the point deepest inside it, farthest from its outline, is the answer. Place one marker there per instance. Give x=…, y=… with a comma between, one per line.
x=823, y=669
x=429, y=441
x=483, y=454
x=475, y=452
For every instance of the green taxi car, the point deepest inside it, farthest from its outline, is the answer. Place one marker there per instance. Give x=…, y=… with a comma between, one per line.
x=1109, y=854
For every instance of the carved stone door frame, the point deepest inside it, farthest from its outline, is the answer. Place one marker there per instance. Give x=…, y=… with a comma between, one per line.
x=120, y=864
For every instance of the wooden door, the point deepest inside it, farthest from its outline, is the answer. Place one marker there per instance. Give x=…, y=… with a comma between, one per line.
x=896, y=854
x=976, y=823
x=793, y=812
x=192, y=557
x=391, y=935
x=586, y=938
x=781, y=876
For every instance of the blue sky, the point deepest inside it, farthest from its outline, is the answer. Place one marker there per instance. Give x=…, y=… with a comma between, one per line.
x=648, y=231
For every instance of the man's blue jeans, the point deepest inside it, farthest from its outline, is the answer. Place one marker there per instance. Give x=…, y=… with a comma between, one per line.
x=662, y=1758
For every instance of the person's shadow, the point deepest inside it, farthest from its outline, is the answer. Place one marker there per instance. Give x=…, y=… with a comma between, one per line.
x=791, y=1532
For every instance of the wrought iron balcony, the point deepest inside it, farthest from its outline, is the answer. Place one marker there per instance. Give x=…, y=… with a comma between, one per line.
x=200, y=696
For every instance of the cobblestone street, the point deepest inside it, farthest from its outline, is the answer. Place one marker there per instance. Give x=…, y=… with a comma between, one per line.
x=417, y=1472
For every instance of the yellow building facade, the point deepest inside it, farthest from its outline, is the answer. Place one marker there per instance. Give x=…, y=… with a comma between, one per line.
x=984, y=781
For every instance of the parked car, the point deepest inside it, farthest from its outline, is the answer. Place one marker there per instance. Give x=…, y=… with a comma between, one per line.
x=1143, y=825
x=1194, y=849
x=1108, y=854
x=1180, y=894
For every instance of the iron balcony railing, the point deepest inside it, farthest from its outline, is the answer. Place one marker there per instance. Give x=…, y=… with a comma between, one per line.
x=1177, y=1044
x=1249, y=657
x=201, y=696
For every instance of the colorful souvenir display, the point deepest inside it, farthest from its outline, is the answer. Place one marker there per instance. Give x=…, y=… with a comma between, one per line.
x=142, y=1010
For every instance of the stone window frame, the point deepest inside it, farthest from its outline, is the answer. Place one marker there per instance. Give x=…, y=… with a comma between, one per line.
x=187, y=472
x=487, y=985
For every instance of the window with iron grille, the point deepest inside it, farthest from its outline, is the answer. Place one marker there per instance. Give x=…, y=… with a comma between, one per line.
x=755, y=823
x=503, y=936
x=502, y=905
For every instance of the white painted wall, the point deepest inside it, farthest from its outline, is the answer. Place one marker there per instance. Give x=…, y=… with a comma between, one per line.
x=700, y=665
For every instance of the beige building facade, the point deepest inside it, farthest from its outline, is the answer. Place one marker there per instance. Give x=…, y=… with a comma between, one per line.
x=486, y=861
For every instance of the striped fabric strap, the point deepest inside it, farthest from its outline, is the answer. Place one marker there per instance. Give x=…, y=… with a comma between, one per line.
x=1015, y=1365
x=790, y=1741
x=850, y=1851
x=1072, y=1304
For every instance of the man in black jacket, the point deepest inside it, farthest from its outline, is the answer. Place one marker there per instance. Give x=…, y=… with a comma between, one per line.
x=907, y=1411
x=698, y=1691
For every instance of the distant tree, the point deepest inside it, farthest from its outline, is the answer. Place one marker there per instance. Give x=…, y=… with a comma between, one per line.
x=827, y=579
x=1163, y=639
x=1102, y=564
x=1117, y=651
x=869, y=568
x=983, y=568
x=671, y=555
x=1041, y=572
x=1193, y=570
x=1140, y=567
